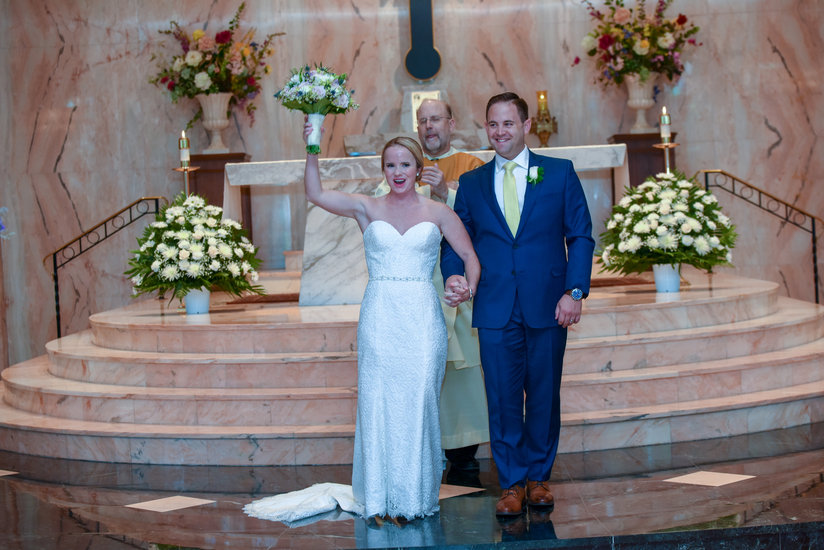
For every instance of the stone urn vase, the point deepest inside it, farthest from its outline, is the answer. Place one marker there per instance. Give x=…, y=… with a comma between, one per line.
x=640, y=99
x=215, y=119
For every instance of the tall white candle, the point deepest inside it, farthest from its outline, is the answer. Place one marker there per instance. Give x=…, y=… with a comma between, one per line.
x=665, y=126
x=183, y=145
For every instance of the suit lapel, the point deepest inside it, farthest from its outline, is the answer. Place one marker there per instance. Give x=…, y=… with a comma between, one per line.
x=530, y=195
x=488, y=190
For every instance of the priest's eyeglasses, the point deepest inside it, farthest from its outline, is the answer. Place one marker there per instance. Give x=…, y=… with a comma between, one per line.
x=432, y=119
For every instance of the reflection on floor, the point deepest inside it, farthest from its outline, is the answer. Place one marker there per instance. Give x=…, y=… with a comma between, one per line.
x=763, y=490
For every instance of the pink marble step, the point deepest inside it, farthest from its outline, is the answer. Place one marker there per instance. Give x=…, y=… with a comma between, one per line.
x=75, y=357
x=35, y=434
x=692, y=381
x=693, y=420
x=28, y=386
x=705, y=301
x=151, y=325
x=794, y=323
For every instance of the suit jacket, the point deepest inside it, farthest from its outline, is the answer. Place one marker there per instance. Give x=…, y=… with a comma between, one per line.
x=550, y=253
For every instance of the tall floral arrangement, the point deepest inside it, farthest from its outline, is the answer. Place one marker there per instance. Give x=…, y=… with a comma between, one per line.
x=668, y=219
x=190, y=246
x=316, y=91
x=209, y=64
x=632, y=41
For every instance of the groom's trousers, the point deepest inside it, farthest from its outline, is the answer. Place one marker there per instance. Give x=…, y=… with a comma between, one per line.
x=523, y=362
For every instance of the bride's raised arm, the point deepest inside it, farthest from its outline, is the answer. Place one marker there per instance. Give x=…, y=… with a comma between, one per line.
x=337, y=202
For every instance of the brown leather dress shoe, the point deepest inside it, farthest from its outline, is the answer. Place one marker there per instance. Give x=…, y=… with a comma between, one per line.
x=538, y=494
x=511, y=502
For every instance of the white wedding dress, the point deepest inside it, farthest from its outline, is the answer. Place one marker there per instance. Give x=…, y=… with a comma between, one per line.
x=402, y=347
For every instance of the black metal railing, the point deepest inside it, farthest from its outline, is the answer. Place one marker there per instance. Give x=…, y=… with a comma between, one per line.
x=94, y=236
x=769, y=203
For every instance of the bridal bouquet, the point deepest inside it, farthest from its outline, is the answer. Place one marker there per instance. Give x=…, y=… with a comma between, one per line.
x=666, y=220
x=316, y=92
x=214, y=64
x=627, y=41
x=190, y=246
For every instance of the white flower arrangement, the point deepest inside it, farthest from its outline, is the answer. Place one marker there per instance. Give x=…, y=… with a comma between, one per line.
x=189, y=246
x=668, y=219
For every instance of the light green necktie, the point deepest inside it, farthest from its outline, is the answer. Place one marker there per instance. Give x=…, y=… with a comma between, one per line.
x=512, y=212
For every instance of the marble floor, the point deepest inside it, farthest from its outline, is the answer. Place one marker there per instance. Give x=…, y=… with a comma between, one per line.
x=763, y=490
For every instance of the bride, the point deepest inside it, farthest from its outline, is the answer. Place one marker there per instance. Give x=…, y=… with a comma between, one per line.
x=402, y=342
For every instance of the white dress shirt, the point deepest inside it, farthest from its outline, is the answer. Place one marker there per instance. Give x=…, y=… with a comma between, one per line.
x=520, y=172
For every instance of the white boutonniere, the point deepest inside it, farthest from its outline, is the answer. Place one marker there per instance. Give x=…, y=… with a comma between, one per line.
x=535, y=174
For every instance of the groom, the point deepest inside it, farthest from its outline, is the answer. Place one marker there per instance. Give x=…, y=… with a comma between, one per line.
x=528, y=220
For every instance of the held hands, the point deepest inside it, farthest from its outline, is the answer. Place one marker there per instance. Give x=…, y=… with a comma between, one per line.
x=433, y=176
x=456, y=290
x=568, y=311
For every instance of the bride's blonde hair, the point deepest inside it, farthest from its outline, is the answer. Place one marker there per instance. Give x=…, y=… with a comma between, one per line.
x=410, y=145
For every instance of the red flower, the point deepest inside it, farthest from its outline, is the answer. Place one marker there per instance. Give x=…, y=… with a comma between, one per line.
x=682, y=19
x=606, y=41
x=691, y=41
x=576, y=61
x=164, y=80
x=223, y=37
x=251, y=81
x=171, y=85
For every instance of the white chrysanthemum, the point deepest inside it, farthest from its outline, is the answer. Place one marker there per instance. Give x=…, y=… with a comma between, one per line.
x=668, y=219
x=653, y=223
x=183, y=254
x=698, y=206
x=723, y=220
x=222, y=233
x=246, y=267
x=159, y=225
x=137, y=280
x=700, y=193
x=668, y=194
x=687, y=240
x=156, y=265
x=213, y=251
x=661, y=230
x=224, y=250
x=197, y=251
x=650, y=196
x=635, y=208
x=641, y=227
x=234, y=269
x=701, y=245
x=212, y=209
x=618, y=217
x=170, y=273
x=211, y=222
x=611, y=224
x=652, y=242
x=633, y=244
x=194, y=201
x=198, y=235
x=254, y=276
x=183, y=235
x=684, y=193
x=195, y=269
x=238, y=252
x=664, y=208
x=625, y=201
x=605, y=256
x=729, y=257
x=686, y=228
x=684, y=184
x=715, y=242
x=169, y=253
x=711, y=225
x=668, y=241
x=694, y=224
x=214, y=265
x=709, y=199
x=183, y=264
x=184, y=244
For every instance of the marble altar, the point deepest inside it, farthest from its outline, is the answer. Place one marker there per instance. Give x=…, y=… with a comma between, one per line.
x=334, y=269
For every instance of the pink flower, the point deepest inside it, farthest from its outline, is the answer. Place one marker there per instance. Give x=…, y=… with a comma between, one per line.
x=622, y=15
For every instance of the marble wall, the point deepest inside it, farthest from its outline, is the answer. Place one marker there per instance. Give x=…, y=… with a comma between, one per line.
x=84, y=133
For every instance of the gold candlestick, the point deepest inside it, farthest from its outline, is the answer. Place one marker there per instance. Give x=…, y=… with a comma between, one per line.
x=543, y=123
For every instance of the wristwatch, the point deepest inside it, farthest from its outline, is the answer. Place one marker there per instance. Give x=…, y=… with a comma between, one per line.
x=576, y=294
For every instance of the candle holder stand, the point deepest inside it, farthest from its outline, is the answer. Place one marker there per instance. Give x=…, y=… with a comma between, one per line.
x=186, y=169
x=666, y=145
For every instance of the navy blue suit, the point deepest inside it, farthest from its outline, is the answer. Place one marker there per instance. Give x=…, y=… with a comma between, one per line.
x=522, y=279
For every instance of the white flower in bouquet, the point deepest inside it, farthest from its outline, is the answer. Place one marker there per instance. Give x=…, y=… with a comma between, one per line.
x=667, y=219
x=171, y=256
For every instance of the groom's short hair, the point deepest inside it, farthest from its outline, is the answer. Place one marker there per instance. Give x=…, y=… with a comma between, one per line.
x=510, y=97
